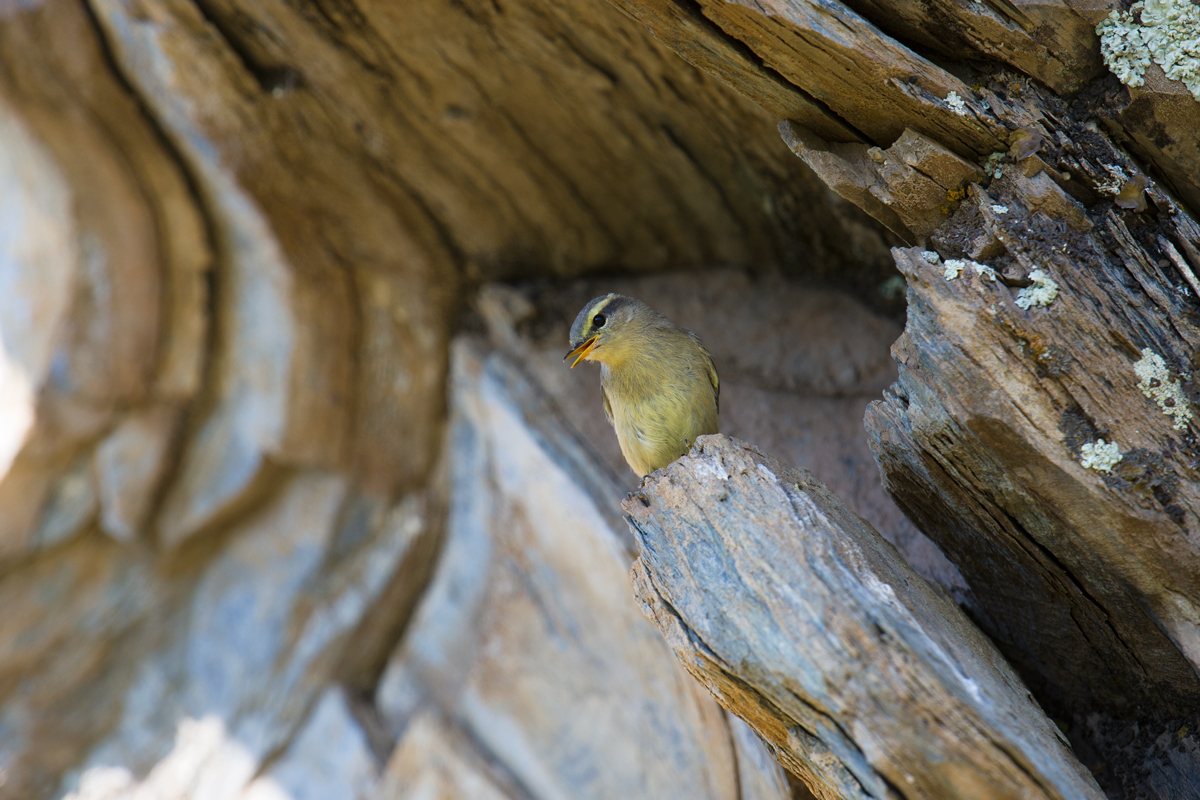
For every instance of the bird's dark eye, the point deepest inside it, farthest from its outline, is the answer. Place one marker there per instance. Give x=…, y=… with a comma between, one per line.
x=598, y=321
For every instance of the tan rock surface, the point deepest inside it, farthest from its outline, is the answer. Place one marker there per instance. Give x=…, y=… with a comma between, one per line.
x=230, y=679
x=330, y=759
x=434, y=762
x=68, y=616
x=819, y=48
x=236, y=241
x=1020, y=443
x=1158, y=116
x=1002, y=438
x=118, y=303
x=234, y=245
x=529, y=636
x=1051, y=40
x=798, y=617
x=798, y=365
x=129, y=466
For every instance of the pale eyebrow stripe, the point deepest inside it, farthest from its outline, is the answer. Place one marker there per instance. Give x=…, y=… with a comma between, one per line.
x=610, y=303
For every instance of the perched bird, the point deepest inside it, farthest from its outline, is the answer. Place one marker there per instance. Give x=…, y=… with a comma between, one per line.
x=659, y=385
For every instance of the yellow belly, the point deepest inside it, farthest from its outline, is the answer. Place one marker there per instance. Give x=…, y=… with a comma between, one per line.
x=654, y=433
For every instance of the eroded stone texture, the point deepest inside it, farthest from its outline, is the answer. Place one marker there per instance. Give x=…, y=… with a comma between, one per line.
x=68, y=616
x=40, y=261
x=529, y=637
x=880, y=85
x=330, y=759
x=38, y=271
x=798, y=365
x=798, y=617
x=1160, y=116
x=331, y=337
x=433, y=761
x=233, y=244
x=910, y=187
x=982, y=442
x=237, y=669
x=821, y=49
x=129, y=466
x=116, y=316
x=1052, y=40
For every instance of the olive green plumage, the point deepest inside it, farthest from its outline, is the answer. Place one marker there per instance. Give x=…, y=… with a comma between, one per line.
x=658, y=382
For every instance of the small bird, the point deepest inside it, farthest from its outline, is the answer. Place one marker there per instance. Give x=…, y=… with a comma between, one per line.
x=658, y=382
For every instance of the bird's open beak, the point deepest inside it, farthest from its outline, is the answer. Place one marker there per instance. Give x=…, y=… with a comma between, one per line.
x=581, y=351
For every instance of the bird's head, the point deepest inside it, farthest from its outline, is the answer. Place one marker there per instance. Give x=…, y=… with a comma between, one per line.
x=605, y=329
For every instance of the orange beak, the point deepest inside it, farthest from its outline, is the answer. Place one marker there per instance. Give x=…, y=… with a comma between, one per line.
x=582, y=350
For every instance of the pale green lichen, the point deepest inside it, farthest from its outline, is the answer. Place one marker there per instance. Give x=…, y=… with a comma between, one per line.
x=930, y=257
x=1042, y=293
x=1165, y=32
x=999, y=209
x=1158, y=384
x=955, y=266
x=1100, y=455
x=983, y=270
x=957, y=104
x=991, y=166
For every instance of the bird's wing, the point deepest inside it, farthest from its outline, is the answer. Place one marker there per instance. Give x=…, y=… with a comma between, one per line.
x=607, y=405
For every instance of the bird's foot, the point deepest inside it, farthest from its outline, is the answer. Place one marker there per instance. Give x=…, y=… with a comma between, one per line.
x=641, y=498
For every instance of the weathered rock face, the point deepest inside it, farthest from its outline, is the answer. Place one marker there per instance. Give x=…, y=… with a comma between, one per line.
x=1042, y=429
x=798, y=365
x=231, y=677
x=104, y=293
x=232, y=646
x=277, y=249
x=802, y=620
x=241, y=552
x=972, y=80
x=234, y=241
x=528, y=636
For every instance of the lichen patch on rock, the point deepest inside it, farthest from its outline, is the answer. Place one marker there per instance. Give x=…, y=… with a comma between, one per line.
x=1043, y=292
x=1165, y=32
x=1158, y=384
x=1100, y=455
x=955, y=266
